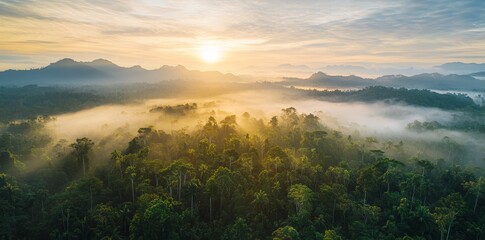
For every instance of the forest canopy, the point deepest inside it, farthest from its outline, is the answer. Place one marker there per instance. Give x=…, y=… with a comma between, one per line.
x=289, y=177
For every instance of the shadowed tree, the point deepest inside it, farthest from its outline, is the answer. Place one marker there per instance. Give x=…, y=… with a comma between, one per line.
x=475, y=188
x=260, y=201
x=176, y=173
x=237, y=231
x=160, y=220
x=8, y=196
x=131, y=172
x=6, y=161
x=446, y=211
x=107, y=220
x=222, y=180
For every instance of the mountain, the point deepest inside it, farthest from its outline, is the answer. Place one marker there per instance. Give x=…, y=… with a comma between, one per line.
x=100, y=71
x=478, y=74
x=433, y=81
x=461, y=68
x=422, y=81
x=66, y=69
x=321, y=79
x=287, y=66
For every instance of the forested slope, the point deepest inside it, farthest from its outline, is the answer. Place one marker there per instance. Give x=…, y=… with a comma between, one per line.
x=415, y=97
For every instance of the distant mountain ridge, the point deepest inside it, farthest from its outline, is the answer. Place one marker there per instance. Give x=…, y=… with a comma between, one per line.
x=101, y=71
x=420, y=81
x=462, y=68
x=478, y=74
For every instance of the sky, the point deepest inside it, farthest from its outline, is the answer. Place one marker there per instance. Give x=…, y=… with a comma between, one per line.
x=248, y=36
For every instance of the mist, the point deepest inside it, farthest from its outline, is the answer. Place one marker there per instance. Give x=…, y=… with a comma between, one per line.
x=111, y=127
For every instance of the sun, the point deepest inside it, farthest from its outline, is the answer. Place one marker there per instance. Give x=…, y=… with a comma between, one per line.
x=210, y=53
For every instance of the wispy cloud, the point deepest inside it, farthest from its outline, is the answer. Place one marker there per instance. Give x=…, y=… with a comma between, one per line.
x=256, y=32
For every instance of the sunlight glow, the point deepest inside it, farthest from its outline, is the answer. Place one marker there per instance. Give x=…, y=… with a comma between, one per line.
x=210, y=53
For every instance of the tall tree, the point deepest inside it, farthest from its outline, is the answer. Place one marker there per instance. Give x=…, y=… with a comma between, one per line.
x=81, y=150
x=446, y=211
x=302, y=197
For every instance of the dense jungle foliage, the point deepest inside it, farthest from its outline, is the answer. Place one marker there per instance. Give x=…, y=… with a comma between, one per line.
x=289, y=178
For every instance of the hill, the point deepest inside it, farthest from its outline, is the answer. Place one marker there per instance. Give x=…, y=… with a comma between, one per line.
x=70, y=72
x=421, y=81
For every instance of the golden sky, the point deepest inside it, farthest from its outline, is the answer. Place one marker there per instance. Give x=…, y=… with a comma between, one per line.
x=250, y=34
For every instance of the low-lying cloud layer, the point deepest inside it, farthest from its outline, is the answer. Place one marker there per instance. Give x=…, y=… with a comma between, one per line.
x=111, y=127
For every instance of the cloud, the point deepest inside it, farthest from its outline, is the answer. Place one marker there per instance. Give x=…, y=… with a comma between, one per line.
x=265, y=32
x=5, y=57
